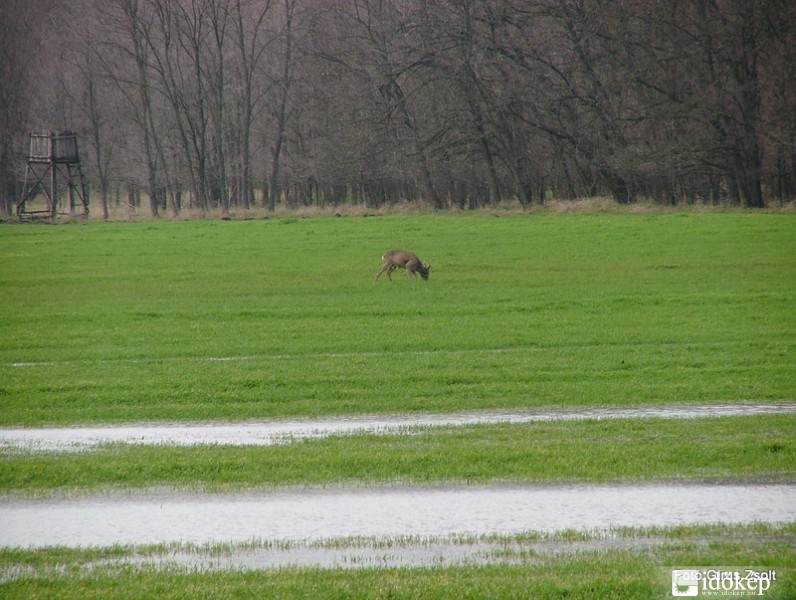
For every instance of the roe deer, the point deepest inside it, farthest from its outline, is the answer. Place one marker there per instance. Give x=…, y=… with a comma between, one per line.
x=401, y=259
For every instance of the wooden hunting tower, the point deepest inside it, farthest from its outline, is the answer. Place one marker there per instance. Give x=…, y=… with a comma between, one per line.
x=50, y=154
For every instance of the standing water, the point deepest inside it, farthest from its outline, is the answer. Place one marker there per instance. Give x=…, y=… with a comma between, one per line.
x=382, y=511
x=260, y=433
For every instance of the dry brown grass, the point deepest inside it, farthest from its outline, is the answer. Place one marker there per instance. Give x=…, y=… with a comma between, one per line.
x=599, y=204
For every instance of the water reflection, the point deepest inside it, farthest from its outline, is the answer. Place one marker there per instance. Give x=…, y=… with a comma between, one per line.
x=314, y=514
x=281, y=431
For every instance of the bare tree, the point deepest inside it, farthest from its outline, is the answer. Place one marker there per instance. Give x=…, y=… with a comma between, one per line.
x=18, y=58
x=250, y=19
x=283, y=86
x=456, y=102
x=134, y=24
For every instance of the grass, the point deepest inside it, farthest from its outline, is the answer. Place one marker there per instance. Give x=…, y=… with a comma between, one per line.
x=216, y=320
x=757, y=448
x=130, y=321
x=643, y=573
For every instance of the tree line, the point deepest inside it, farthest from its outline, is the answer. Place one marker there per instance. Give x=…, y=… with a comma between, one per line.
x=224, y=104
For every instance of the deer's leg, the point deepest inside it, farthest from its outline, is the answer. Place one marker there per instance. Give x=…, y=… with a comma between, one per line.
x=385, y=267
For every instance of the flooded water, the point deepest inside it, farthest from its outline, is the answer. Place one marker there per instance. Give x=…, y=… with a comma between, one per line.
x=320, y=514
x=62, y=439
x=379, y=554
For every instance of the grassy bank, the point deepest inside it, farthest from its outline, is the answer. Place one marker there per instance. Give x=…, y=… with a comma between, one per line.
x=233, y=320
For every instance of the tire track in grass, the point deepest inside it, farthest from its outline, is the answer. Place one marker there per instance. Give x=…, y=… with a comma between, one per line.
x=353, y=354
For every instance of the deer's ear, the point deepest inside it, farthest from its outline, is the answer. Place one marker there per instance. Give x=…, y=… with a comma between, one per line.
x=428, y=267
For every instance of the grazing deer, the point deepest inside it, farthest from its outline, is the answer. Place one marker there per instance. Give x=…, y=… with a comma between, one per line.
x=401, y=259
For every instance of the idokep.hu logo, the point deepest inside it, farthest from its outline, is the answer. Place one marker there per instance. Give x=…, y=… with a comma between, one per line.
x=721, y=582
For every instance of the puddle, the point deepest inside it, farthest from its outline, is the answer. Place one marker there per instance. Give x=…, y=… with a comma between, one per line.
x=360, y=554
x=323, y=514
x=262, y=433
x=373, y=554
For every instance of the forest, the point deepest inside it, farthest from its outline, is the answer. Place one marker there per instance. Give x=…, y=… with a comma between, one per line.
x=224, y=105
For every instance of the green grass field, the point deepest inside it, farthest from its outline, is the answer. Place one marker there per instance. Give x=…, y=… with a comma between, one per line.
x=130, y=321
x=217, y=320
